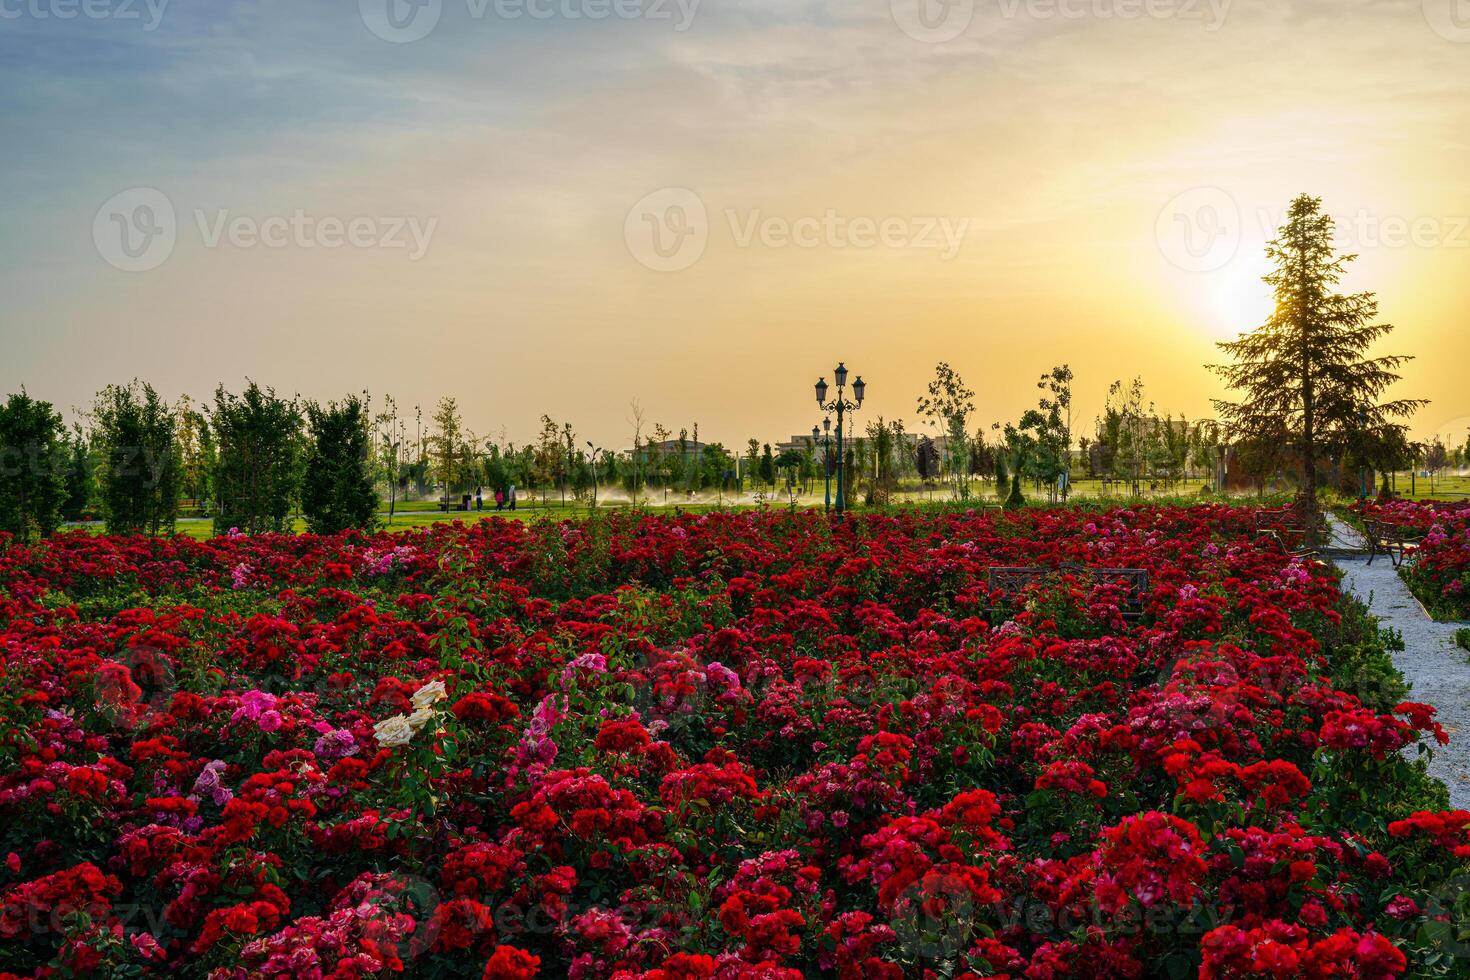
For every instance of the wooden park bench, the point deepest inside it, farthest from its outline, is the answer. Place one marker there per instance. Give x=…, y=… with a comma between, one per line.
x=1006, y=583
x=1398, y=542
x=1298, y=535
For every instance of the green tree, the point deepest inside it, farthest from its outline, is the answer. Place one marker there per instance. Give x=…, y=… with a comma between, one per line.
x=136, y=434
x=926, y=459
x=948, y=405
x=337, y=492
x=1049, y=427
x=32, y=463
x=1438, y=456
x=1002, y=474
x=633, y=475
x=881, y=480
x=1021, y=450
x=447, y=445
x=78, y=477
x=1305, y=373
x=196, y=452
x=1175, y=445
x=715, y=463
x=1127, y=429
x=1056, y=407
x=257, y=469
x=768, y=466
x=391, y=435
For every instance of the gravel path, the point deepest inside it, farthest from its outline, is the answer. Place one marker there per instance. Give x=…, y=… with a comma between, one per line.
x=1434, y=666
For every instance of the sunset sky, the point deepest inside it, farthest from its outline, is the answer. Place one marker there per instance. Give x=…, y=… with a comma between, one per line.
x=1060, y=180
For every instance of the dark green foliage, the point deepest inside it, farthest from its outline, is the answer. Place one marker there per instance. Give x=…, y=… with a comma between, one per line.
x=257, y=469
x=136, y=436
x=1304, y=374
x=77, y=478
x=768, y=466
x=1016, y=500
x=32, y=464
x=337, y=492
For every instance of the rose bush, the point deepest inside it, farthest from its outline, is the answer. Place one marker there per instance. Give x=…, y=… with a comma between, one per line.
x=1439, y=573
x=730, y=745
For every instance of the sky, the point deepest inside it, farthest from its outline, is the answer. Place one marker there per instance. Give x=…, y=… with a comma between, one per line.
x=566, y=206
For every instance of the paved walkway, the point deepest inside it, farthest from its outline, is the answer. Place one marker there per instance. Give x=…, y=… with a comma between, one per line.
x=1434, y=666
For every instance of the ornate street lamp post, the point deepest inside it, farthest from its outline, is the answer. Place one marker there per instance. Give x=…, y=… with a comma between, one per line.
x=841, y=406
x=823, y=437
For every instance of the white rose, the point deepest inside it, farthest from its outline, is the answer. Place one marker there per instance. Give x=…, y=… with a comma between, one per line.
x=428, y=694
x=393, y=732
x=420, y=718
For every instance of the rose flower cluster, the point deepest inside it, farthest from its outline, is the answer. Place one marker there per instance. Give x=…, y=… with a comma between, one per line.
x=1439, y=570
x=730, y=745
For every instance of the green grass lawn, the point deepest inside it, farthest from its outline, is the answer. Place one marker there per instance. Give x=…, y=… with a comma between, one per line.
x=1422, y=488
x=421, y=513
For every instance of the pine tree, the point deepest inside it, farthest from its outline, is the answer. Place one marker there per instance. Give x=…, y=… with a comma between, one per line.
x=1305, y=373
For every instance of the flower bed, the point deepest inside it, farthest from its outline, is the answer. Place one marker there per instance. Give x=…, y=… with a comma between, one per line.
x=737, y=745
x=1439, y=575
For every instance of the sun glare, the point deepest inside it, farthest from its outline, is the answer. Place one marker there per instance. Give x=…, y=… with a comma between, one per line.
x=1242, y=301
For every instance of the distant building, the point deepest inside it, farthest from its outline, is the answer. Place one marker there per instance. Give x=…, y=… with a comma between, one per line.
x=663, y=450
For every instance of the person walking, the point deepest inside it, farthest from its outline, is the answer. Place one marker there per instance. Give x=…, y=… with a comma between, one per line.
x=510, y=497
x=479, y=502
x=499, y=499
